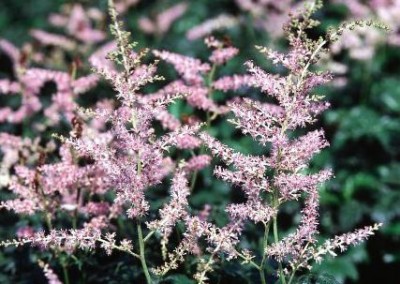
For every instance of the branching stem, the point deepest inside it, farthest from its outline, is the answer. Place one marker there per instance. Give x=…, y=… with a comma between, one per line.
x=142, y=255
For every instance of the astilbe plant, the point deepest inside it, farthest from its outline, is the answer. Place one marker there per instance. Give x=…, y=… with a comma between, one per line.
x=273, y=125
x=127, y=158
x=114, y=150
x=162, y=21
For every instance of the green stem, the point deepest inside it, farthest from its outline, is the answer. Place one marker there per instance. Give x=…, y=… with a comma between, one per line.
x=249, y=261
x=75, y=220
x=211, y=76
x=265, y=243
x=262, y=276
x=291, y=277
x=142, y=256
x=48, y=221
x=281, y=276
x=65, y=272
x=193, y=181
x=119, y=248
x=148, y=236
x=276, y=237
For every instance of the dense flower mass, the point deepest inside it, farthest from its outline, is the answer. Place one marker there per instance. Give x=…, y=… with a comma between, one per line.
x=100, y=185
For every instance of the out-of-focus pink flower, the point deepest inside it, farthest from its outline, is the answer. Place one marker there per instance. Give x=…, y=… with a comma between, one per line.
x=6, y=87
x=46, y=38
x=189, y=68
x=222, y=55
x=96, y=208
x=270, y=15
x=25, y=232
x=122, y=6
x=222, y=21
x=78, y=24
x=99, y=60
x=162, y=21
x=52, y=278
x=197, y=163
x=233, y=83
x=11, y=50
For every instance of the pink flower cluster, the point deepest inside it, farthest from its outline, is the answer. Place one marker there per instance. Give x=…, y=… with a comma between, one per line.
x=163, y=21
x=114, y=156
x=270, y=15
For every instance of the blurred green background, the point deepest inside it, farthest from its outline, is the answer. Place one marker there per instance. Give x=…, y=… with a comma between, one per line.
x=363, y=127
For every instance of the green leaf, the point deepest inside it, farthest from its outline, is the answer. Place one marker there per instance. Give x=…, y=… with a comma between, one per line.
x=312, y=278
x=392, y=229
x=387, y=94
x=359, y=181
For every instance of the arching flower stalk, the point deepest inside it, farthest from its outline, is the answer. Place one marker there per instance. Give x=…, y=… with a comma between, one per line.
x=273, y=125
